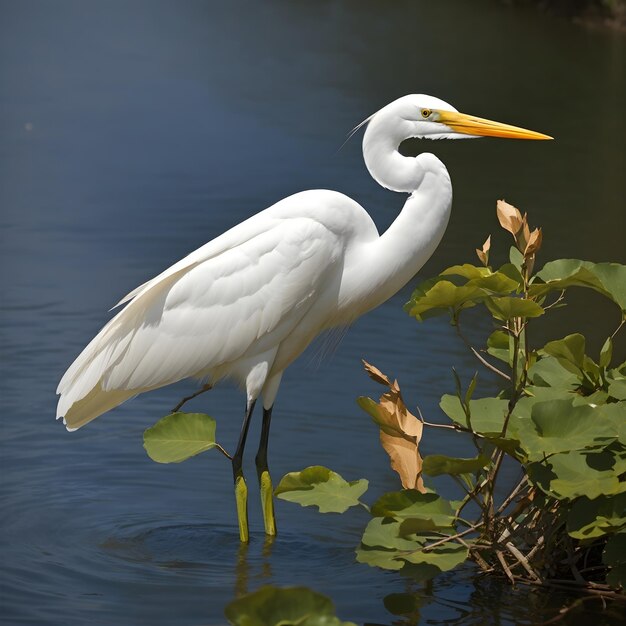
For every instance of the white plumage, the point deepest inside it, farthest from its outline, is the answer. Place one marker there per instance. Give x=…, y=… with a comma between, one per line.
x=246, y=304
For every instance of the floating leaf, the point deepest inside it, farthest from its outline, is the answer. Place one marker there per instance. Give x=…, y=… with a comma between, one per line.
x=321, y=487
x=288, y=606
x=507, y=307
x=409, y=503
x=384, y=532
x=179, y=436
x=386, y=544
x=400, y=431
x=593, y=518
x=437, y=464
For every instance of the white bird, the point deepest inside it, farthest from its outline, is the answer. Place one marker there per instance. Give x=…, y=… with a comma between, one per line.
x=246, y=304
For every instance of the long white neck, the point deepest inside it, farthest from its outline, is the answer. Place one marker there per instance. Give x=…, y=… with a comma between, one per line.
x=383, y=266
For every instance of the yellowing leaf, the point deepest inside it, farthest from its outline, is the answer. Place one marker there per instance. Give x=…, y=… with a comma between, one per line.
x=375, y=374
x=509, y=217
x=400, y=431
x=483, y=253
x=534, y=242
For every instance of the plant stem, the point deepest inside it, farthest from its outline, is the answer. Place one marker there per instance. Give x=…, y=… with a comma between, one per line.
x=477, y=354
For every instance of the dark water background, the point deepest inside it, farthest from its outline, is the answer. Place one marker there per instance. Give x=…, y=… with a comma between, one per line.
x=133, y=132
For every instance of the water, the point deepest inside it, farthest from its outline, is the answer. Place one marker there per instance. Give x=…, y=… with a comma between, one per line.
x=133, y=133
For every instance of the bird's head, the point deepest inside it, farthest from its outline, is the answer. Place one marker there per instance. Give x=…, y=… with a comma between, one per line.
x=427, y=117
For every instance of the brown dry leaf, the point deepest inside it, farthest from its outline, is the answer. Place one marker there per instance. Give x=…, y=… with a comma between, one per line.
x=509, y=217
x=375, y=374
x=483, y=253
x=534, y=242
x=400, y=431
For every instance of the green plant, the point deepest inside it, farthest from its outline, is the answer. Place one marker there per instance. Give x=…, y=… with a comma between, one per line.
x=560, y=417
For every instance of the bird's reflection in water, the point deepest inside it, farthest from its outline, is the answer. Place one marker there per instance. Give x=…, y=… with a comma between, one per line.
x=244, y=571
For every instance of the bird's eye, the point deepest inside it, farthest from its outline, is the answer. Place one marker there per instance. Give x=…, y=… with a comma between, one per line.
x=426, y=113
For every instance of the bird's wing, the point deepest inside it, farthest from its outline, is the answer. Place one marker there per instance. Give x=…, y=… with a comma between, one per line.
x=223, y=302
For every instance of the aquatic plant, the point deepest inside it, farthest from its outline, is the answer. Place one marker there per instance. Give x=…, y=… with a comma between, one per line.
x=560, y=416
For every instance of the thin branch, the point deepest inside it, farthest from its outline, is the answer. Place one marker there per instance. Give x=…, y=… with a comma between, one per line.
x=467, y=531
x=559, y=299
x=477, y=354
x=522, y=560
x=618, y=329
x=505, y=567
x=217, y=445
x=203, y=389
x=512, y=495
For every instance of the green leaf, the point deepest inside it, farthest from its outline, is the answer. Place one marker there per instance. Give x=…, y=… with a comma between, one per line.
x=560, y=426
x=617, y=386
x=409, y=503
x=437, y=464
x=466, y=271
x=321, y=487
x=179, y=436
x=516, y=257
x=569, y=475
x=386, y=545
x=606, y=353
x=384, y=532
x=443, y=296
x=609, y=279
x=507, y=307
x=593, y=518
x=496, y=283
x=549, y=372
x=569, y=351
x=615, y=557
x=487, y=414
x=498, y=346
x=379, y=557
x=289, y=606
x=445, y=557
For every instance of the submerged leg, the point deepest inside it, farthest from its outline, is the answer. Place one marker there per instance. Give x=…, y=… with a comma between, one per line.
x=241, y=489
x=263, y=472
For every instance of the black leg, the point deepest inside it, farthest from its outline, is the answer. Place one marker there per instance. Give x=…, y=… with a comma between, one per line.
x=261, y=455
x=238, y=456
x=265, y=480
x=241, y=490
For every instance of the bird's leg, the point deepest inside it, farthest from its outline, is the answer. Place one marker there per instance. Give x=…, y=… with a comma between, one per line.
x=265, y=480
x=241, y=489
x=204, y=388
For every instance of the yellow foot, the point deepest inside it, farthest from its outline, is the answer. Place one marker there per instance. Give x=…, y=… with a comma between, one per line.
x=241, y=496
x=267, y=502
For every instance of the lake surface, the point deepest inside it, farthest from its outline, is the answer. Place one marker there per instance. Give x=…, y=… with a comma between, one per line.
x=134, y=132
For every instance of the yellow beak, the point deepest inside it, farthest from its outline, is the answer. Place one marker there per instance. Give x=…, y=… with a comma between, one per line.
x=470, y=125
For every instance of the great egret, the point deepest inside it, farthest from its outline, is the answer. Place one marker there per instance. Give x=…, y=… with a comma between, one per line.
x=246, y=304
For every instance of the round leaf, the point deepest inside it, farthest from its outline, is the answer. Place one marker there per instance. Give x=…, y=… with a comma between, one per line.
x=321, y=487
x=179, y=436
